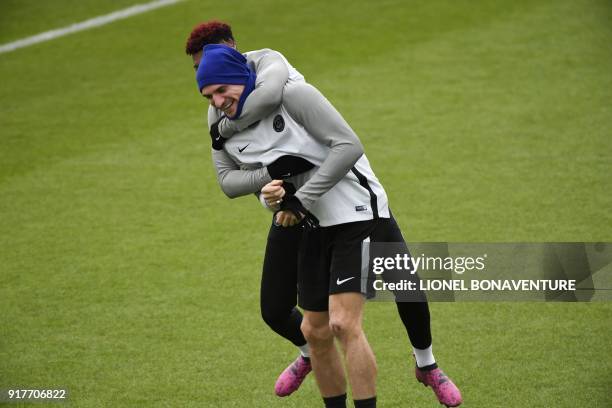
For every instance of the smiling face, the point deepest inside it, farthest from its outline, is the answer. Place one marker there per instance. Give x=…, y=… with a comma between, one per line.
x=224, y=97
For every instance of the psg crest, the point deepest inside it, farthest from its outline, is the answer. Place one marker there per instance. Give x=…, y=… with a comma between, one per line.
x=279, y=123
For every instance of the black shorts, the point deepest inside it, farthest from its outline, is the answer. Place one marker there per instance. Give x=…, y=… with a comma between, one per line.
x=334, y=260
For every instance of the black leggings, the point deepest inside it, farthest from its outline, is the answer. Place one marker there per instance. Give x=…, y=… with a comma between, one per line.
x=415, y=315
x=278, y=296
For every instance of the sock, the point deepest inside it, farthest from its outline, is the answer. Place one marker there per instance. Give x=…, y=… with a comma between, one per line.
x=429, y=367
x=366, y=403
x=305, y=350
x=335, y=402
x=424, y=357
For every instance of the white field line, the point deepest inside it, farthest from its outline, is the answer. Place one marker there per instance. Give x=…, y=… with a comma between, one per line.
x=85, y=25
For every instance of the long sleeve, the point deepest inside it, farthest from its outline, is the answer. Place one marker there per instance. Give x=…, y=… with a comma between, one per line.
x=312, y=110
x=272, y=75
x=233, y=181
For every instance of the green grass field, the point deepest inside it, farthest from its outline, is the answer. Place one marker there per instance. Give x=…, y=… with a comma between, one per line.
x=128, y=277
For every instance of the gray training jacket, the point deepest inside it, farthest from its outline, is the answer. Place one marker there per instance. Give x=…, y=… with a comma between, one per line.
x=309, y=108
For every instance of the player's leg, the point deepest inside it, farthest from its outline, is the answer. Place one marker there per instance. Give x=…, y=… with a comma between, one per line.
x=325, y=358
x=278, y=294
x=278, y=297
x=348, y=280
x=414, y=315
x=416, y=319
x=313, y=297
x=346, y=313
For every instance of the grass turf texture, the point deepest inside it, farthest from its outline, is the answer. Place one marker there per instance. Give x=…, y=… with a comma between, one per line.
x=127, y=277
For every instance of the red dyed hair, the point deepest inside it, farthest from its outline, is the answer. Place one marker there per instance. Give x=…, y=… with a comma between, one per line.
x=211, y=32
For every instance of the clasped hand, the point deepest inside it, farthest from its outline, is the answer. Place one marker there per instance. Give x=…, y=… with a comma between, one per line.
x=273, y=194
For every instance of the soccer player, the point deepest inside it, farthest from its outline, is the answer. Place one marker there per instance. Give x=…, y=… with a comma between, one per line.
x=307, y=125
x=278, y=291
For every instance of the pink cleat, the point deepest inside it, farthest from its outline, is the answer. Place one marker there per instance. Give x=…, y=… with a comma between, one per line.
x=447, y=392
x=291, y=378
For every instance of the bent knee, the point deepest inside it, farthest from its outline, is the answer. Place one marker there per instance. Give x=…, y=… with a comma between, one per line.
x=344, y=328
x=315, y=332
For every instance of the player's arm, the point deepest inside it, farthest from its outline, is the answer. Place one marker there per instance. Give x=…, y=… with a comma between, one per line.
x=272, y=75
x=312, y=110
x=236, y=182
x=233, y=181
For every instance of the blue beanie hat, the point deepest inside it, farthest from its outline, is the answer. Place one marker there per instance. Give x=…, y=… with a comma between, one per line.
x=223, y=65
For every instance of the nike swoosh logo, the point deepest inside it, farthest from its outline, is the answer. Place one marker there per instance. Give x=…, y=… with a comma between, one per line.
x=241, y=150
x=340, y=282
